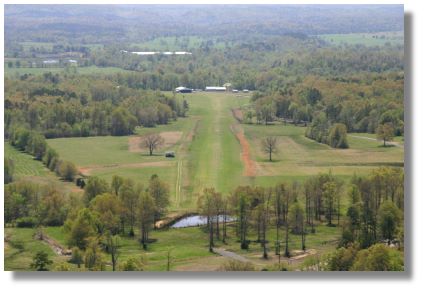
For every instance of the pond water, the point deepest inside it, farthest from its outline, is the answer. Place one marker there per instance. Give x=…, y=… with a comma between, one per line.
x=196, y=220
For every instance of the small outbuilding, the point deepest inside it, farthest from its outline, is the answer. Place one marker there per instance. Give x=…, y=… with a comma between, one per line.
x=215, y=89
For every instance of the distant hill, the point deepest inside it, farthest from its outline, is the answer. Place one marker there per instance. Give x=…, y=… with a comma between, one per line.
x=106, y=23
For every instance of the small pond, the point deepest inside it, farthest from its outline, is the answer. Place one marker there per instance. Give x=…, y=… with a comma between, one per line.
x=196, y=220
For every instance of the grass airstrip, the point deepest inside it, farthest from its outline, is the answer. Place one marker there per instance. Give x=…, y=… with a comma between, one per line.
x=212, y=150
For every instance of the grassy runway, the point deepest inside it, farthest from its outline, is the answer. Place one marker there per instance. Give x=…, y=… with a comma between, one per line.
x=208, y=153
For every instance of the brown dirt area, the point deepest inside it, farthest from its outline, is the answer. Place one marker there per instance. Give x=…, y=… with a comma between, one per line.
x=249, y=164
x=170, y=137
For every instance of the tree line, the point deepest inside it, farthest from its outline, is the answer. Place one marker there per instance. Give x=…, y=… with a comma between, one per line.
x=34, y=143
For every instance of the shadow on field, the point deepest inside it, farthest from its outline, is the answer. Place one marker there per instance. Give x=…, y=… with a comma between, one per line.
x=277, y=276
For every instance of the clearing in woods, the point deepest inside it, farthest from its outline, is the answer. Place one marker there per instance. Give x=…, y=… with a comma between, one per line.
x=213, y=149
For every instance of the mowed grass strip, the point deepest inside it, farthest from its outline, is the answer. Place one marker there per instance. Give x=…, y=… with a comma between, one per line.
x=25, y=165
x=90, y=70
x=214, y=155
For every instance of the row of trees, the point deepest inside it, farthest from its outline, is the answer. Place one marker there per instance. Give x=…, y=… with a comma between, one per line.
x=35, y=144
x=294, y=209
x=374, y=216
x=334, y=135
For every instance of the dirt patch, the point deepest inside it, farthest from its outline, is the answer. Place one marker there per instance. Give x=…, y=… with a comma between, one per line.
x=249, y=164
x=87, y=170
x=54, y=245
x=170, y=137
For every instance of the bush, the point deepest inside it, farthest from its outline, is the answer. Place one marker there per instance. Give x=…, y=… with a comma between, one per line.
x=132, y=264
x=77, y=257
x=50, y=158
x=66, y=170
x=27, y=221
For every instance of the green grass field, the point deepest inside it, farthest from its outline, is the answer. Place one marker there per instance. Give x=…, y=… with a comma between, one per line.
x=91, y=70
x=25, y=165
x=20, y=248
x=368, y=39
x=208, y=154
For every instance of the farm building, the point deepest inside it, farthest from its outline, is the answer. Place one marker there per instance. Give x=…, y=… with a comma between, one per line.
x=215, y=89
x=183, y=90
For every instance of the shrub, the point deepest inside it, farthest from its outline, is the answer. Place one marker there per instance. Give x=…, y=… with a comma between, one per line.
x=26, y=221
x=41, y=261
x=67, y=170
x=132, y=264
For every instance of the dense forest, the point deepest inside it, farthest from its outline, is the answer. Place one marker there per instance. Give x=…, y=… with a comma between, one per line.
x=65, y=106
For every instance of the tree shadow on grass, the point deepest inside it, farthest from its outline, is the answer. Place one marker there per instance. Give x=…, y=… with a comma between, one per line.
x=387, y=146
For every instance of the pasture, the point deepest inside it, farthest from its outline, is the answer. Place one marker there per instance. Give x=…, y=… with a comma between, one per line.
x=367, y=39
x=90, y=70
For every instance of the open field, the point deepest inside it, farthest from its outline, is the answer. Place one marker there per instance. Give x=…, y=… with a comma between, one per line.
x=368, y=39
x=210, y=146
x=209, y=154
x=91, y=70
x=300, y=156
